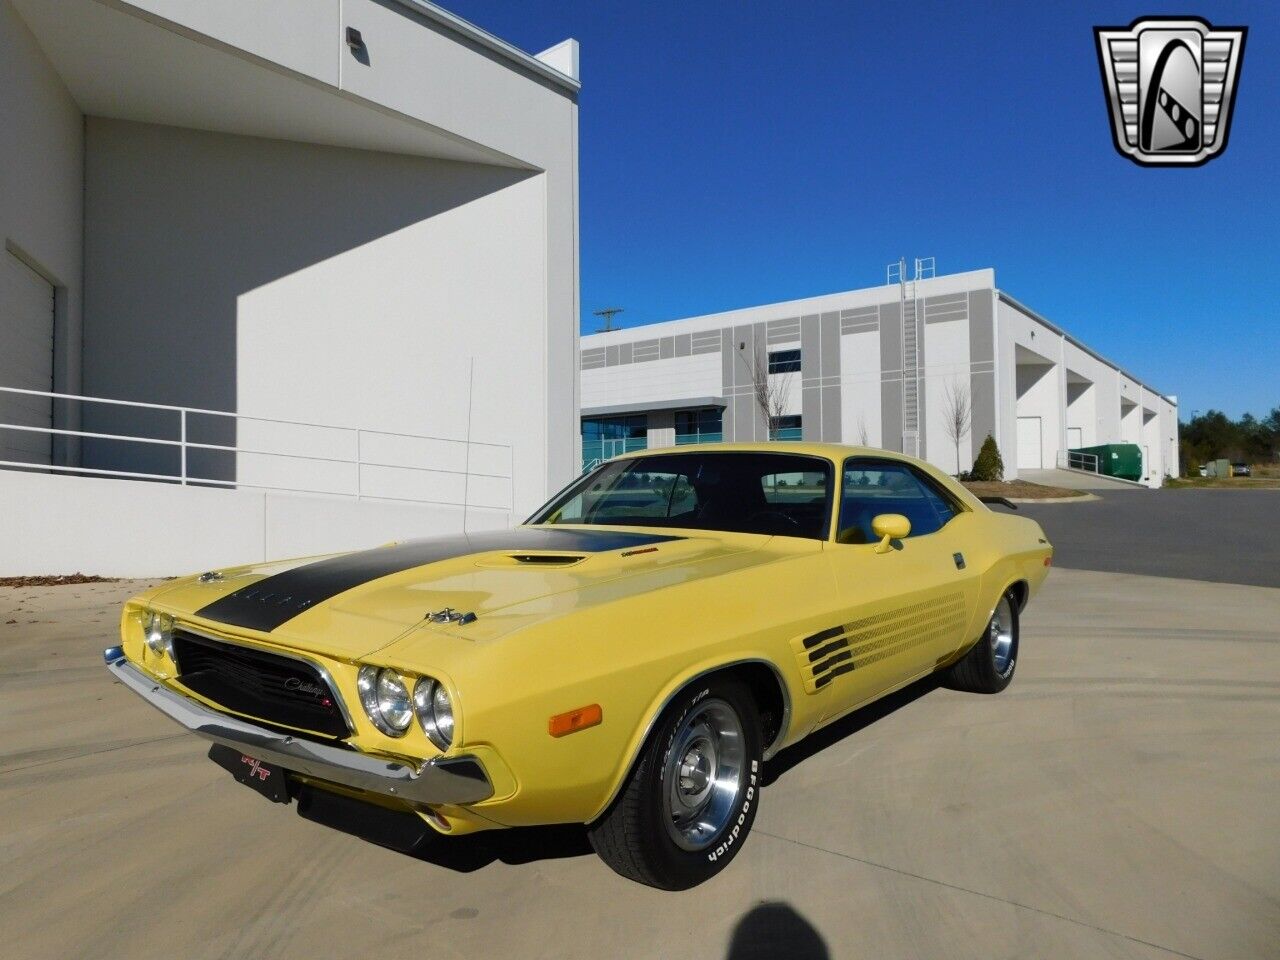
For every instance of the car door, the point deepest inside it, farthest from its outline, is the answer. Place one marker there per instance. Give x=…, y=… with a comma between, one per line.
x=905, y=609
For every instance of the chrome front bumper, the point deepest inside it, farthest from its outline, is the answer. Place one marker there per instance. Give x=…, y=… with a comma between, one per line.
x=447, y=780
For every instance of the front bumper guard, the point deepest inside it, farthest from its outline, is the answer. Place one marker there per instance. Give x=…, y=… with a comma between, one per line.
x=443, y=780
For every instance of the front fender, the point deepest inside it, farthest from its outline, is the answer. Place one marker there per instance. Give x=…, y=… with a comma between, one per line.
x=670, y=691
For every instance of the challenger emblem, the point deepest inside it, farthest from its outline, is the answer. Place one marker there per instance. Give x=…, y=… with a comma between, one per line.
x=303, y=686
x=1170, y=85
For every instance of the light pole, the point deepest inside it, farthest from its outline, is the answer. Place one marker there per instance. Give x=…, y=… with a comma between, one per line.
x=608, y=313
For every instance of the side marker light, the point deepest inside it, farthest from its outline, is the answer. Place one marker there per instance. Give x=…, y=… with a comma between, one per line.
x=575, y=720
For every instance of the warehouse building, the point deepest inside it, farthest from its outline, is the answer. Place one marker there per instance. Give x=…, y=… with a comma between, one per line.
x=884, y=367
x=294, y=257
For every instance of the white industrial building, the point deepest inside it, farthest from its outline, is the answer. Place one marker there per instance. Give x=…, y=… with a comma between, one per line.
x=855, y=373
x=320, y=255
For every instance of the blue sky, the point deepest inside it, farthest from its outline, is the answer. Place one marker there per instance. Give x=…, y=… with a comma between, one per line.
x=739, y=153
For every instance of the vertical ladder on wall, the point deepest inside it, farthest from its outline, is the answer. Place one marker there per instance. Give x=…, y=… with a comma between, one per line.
x=909, y=311
x=910, y=371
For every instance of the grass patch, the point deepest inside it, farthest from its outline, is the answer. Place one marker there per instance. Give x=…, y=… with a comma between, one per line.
x=1018, y=489
x=66, y=579
x=1224, y=483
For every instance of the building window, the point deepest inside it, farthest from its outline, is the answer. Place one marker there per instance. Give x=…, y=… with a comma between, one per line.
x=699, y=426
x=605, y=437
x=786, y=428
x=784, y=361
x=615, y=428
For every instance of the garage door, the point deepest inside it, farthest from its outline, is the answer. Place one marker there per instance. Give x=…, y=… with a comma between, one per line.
x=1029, y=445
x=26, y=328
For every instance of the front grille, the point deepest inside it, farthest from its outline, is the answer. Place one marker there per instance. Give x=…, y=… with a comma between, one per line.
x=274, y=688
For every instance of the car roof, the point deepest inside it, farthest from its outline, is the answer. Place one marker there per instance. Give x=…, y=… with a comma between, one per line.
x=830, y=451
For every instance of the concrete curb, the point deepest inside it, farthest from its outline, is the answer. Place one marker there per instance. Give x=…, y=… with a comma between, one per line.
x=1083, y=498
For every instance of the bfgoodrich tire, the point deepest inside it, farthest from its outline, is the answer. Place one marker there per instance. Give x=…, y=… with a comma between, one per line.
x=988, y=666
x=691, y=798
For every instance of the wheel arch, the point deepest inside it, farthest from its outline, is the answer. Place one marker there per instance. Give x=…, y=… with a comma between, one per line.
x=761, y=675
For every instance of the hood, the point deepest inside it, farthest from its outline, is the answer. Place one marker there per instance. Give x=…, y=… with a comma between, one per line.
x=353, y=604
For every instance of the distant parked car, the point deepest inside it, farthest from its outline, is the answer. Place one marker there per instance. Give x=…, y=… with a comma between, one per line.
x=1241, y=470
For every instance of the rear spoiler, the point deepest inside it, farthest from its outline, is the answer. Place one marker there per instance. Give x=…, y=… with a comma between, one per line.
x=1002, y=501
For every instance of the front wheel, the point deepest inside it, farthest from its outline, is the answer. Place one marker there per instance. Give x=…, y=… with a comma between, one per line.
x=690, y=801
x=988, y=666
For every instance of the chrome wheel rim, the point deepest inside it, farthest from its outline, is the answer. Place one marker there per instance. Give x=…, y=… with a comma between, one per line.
x=702, y=775
x=1000, y=633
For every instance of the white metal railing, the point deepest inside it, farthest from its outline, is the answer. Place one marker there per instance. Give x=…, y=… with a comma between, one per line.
x=465, y=464
x=1076, y=460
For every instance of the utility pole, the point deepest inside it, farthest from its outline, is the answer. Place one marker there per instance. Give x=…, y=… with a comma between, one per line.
x=608, y=313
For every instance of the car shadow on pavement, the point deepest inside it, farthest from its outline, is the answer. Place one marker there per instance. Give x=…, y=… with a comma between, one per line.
x=405, y=833
x=847, y=726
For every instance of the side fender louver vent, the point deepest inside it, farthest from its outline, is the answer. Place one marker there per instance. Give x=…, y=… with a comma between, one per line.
x=552, y=559
x=831, y=653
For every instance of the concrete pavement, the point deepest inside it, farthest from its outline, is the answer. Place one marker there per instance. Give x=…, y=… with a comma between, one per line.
x=1117, y=801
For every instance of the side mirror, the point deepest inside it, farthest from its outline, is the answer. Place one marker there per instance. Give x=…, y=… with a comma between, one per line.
x=890, y=527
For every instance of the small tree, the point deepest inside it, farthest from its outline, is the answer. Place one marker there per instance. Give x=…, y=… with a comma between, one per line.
x=862, y=432
x=958, y=414
x=989, y=465
x=770, y=393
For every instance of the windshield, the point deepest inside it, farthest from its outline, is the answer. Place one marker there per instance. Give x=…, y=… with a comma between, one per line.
x=771, y=493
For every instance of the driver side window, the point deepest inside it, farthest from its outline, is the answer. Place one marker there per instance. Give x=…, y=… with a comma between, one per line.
x=873, y=487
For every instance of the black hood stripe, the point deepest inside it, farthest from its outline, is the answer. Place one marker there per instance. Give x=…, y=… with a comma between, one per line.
x=274, y=600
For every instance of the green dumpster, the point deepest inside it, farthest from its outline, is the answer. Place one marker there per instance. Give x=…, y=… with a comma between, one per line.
x=1123, y=460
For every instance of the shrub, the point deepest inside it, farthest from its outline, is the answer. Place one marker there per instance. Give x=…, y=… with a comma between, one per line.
x=989, y=465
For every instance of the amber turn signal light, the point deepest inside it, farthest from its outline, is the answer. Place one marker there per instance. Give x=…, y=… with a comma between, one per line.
x=575, y=720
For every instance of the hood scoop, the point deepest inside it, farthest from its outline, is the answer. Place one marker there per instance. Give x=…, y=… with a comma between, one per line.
x=530, y=561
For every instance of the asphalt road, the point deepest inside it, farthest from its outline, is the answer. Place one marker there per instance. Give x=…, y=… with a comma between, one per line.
x=1117, y=801
x=1226, y=536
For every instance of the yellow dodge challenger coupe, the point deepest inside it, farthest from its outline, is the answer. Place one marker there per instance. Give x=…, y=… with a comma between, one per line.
x=627, y=659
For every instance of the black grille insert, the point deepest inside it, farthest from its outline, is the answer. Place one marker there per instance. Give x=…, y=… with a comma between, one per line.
x=274, y=688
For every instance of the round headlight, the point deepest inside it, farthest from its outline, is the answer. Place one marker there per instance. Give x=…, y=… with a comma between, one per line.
x=158, y=631
x=385, y=700
x=435, y=711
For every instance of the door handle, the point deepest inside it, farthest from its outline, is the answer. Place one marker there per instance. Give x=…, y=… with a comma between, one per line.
x=959, y=559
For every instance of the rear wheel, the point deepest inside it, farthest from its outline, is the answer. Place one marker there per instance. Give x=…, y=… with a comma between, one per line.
x=690, y=801
x=988, y=666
